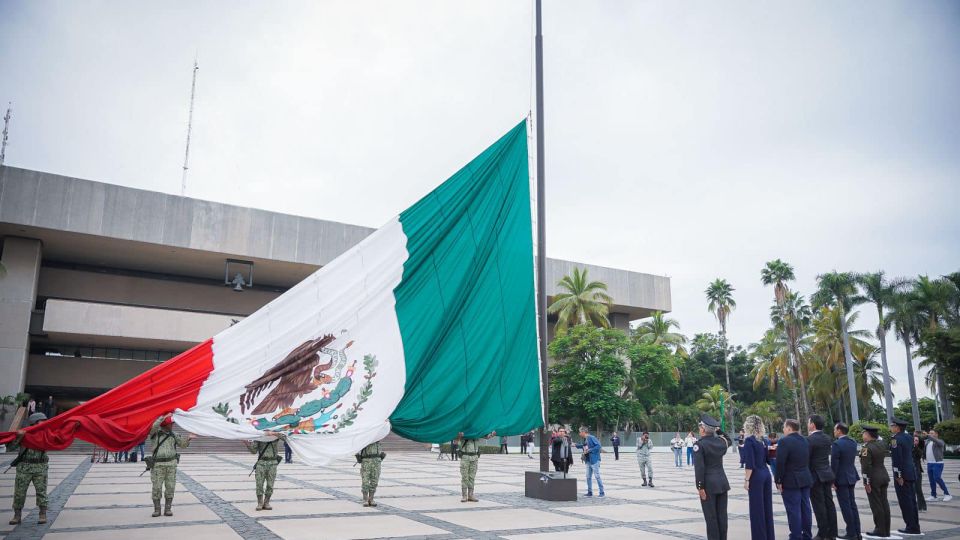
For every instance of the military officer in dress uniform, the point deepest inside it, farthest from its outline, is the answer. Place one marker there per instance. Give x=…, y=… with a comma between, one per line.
x=265, y=468
x=904, y=475
x=875, y=481
x=469, y=457
x=712, y=483
x=843, y=454
x=31, y=468
x=163, y=470
x=370, y=459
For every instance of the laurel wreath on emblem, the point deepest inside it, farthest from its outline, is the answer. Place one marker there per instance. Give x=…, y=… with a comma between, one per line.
x=300, y=373
x=370, y=364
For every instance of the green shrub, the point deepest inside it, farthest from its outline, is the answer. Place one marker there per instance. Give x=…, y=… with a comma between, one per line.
x=856, y=431
x=949, y=431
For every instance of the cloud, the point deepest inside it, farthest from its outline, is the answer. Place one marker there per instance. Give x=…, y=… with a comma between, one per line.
x=689, y=139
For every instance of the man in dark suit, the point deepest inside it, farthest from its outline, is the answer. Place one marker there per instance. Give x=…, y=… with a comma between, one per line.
x=904, y=475
x=712, y=484
x=794, y=480
x=843, y=454
x=821, y=492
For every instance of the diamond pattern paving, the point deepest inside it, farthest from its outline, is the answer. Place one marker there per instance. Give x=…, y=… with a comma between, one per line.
x=419, y=498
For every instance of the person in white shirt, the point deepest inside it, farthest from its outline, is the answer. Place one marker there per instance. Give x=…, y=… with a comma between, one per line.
x=933, y=453
x=688, y=443
x=676, y=444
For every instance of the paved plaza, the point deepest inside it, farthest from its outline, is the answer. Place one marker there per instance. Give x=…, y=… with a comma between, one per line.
x=419, y=497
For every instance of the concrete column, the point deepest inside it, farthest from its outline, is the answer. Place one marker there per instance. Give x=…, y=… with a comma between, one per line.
x=620, y=321
x=18, y=294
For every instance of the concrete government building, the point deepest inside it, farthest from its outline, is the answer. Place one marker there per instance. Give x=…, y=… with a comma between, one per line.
x=103, y=281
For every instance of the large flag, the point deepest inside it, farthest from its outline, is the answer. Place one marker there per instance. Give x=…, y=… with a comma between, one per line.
x=426, y=327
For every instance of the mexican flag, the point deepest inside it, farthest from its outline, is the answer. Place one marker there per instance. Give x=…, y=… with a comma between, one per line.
x=427, y=327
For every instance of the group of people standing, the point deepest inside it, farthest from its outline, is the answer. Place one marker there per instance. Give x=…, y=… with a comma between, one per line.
x=808, y=470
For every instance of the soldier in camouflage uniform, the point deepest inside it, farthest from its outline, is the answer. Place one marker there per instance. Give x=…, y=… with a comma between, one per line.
x=31, y=467
x=469, y=458
x=163, y=473
x=370, y=459
x=265, y=469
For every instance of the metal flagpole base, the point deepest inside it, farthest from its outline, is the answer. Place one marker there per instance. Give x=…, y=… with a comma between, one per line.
x=550, y=486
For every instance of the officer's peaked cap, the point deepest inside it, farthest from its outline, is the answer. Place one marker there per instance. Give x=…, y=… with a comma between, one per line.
x=709, y=421
x=899, y=422
x=36, y=417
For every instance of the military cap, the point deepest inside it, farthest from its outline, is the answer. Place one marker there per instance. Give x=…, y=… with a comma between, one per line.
x=709, y=421
x=899, y=422
x=36, y=417
x=872, y=429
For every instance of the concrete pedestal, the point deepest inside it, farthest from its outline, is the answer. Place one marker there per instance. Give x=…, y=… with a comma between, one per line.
x=550, y=486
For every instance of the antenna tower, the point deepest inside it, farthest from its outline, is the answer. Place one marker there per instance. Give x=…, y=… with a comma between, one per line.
x=6, y=125
x=186, y=153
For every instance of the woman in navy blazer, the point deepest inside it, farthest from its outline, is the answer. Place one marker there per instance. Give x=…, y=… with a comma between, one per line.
x=757, y=481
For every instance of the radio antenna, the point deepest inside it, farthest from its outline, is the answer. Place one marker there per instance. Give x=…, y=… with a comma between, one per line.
x=186, y=153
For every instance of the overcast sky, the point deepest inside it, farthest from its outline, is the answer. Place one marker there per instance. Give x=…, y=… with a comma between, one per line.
x=690, y=139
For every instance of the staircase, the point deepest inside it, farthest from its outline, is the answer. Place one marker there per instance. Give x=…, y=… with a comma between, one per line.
x=396, y=443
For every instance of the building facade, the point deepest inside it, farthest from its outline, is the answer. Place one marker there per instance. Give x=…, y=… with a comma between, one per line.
x=102, y=281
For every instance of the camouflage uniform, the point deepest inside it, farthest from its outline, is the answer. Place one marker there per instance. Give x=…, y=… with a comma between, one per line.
x=643, y=460
x=163, y=474
x=370, y=462
x=469, y=457
x=32, y=468
x=265, y=470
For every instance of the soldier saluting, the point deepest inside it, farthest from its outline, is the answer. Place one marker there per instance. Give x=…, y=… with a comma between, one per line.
x=469, y=458
x=875, y=481
x=31, y=467
x=163, y=462
x=265, y=468
x=712, y=484
x=904, y=475
x=370, y=460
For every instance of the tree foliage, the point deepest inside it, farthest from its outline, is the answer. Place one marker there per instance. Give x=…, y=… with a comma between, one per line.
x=588, y=377
x=582, y=302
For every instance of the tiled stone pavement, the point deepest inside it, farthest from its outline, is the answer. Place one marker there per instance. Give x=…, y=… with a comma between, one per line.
x=419, y=498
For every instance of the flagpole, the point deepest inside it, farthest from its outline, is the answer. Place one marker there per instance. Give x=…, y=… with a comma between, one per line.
x=541, y=250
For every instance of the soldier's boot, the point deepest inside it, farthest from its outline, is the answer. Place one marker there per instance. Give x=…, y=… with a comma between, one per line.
x=42, y=518
x=370, y=500
x=644, y=481
x=168, y=507
x=366, y=498
x=16, y=516
x=464, y=495
x=266, y=503
x=259, y=502
x=651, y=483
x=470, y=496
x=156, y=508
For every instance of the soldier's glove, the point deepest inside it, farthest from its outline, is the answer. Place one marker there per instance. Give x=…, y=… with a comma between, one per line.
x=383, y=455
x=359, y=459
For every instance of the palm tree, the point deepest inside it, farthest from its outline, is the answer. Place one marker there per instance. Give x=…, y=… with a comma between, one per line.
x=772, y=364
x=766, y=410
x=934, y=299
x=839, y=290
x=829, y=367
x=584, y=301
x=792, y=317
x=869, y=374
x=906, y=322
x=657, y=331
x=778, y=273
x=712, y=398
x=721, y=304
x=878, y=290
